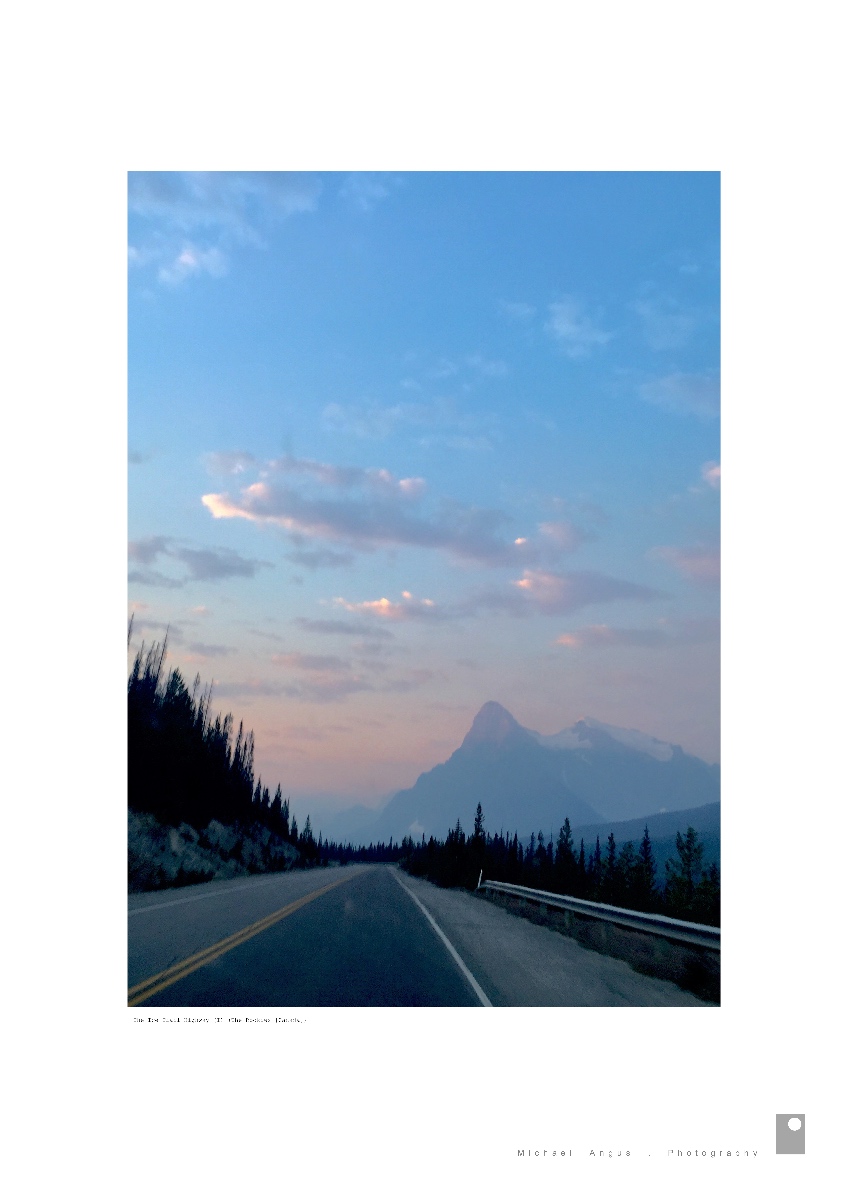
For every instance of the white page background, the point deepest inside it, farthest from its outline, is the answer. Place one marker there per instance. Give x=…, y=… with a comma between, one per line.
x=424, y=1102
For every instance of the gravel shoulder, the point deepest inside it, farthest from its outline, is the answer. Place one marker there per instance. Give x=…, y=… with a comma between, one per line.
x=520, y=964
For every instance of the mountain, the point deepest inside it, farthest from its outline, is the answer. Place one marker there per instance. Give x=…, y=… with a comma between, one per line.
x=591, y=773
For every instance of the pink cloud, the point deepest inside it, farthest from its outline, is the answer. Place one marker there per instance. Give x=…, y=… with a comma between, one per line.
x=711, y=474
x=405, y=609
x=699, y=564
x=554, y=593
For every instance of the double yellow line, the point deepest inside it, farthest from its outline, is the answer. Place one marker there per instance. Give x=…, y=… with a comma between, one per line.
x=157, y=983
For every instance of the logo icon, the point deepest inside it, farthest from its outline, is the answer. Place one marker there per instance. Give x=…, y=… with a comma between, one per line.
x=790, y=1133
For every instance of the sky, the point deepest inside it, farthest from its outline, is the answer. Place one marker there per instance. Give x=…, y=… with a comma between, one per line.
x=400, y=444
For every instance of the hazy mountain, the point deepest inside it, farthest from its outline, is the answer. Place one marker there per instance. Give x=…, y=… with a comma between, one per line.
x=592, y=773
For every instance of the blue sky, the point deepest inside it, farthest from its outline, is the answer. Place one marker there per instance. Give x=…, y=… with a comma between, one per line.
x=401, y=444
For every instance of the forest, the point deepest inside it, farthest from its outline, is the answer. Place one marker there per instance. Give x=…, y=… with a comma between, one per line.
x=626, y=876
x=189, y=771
x=192, y=771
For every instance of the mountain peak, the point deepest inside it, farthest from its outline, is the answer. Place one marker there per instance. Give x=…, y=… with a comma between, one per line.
x=492, y=724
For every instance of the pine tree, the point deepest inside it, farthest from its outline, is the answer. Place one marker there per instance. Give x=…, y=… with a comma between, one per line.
x=610, y=875
x=684, y=875
x=626, y=872
x=645, y=888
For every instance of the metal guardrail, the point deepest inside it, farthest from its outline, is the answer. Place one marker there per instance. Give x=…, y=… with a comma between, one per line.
x=689, y=932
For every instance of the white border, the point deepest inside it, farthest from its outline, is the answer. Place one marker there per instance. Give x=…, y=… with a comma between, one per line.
x=413, y=1101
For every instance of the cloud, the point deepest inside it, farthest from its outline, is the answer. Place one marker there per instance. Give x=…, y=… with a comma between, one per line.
x=237, y=201
x=174, y=632
x=492, y=367
x=218, y=564
x=602, y=635
x=172, y=211
x=206, y=650
x=517, y=310
x=536, y=592
x=366, y=189
x=550, y=592
x=310, y=662
x=346, y=478
x=147, y=550
x=319, y=558
x=154, y=579
x=688, y=631
x=699, y=564
x=440, y=421
x=698, y=395
x=711, y=474
x=233, y=462
x=245, y=688
x=363, y=509
x=385, y=519
x=666, y=323
x=576, y=333
x=202, y=564
x=411, y=682
x=406, y=609
x=192, y=260
x=343, y=628
x=563, y=534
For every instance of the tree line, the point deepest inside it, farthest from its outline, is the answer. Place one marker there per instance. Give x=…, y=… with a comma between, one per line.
x=626, y=876
x=184, y=765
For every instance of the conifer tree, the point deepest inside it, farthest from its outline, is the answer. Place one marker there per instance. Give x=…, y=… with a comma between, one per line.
x=645, y=891
x=684, y=874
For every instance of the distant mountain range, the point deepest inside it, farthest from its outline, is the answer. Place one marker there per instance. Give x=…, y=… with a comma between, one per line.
x=591, y=773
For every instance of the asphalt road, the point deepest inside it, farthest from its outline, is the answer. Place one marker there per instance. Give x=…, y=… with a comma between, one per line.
x=360, y=936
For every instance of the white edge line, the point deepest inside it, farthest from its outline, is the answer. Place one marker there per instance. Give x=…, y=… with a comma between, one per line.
x=243, y=887
x=478, y=991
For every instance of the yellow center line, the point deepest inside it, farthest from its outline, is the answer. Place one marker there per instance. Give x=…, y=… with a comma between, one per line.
x=140, y=992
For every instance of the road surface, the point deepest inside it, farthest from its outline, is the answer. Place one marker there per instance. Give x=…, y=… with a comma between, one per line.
x=359, y=936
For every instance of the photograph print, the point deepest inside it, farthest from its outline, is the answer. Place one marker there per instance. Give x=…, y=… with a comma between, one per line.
x=423, y=589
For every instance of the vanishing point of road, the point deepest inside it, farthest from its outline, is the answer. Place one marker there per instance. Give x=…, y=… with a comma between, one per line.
x=363, y=936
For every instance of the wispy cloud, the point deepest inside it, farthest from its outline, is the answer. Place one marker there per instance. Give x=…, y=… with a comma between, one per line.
x=517, y=310
x=438, y=421
x=563, y=534
x=573, y=329
x=667, y=323
x=189, y=222
x=688, y=631
x=313, y=559
x=202, y=564
x=550, y=592
x=297, y=661
x=239, y=201
x=343, y=628
x=711, y=474
x=192, y=260
x=229, y=462
x=698, y=395
x=372, y=478
x=699, y=564
x=147, y=550
x=602, y=635
x=150, y=578
x=210, y=650
x=366, y=189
